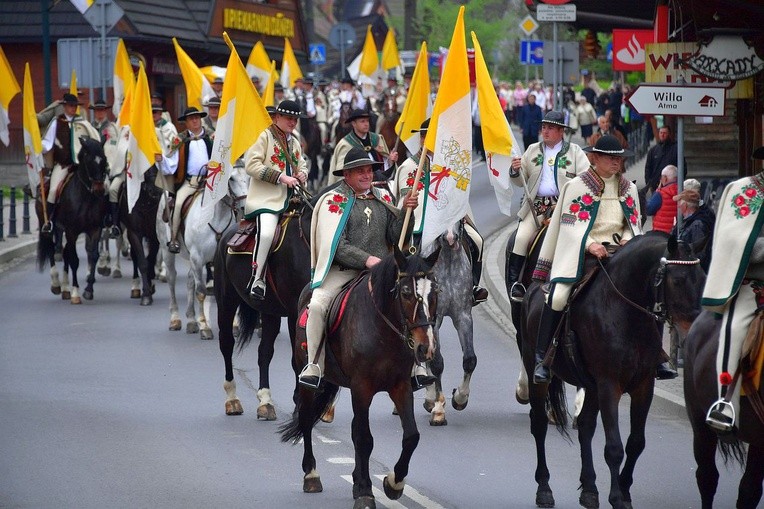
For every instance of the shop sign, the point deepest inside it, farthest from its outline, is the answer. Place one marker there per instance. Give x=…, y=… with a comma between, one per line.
x=726, y=57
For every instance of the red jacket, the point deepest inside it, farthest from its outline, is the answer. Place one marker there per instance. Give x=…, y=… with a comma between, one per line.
x=664, y=218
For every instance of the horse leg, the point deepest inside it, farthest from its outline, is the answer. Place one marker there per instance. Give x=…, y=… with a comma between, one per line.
x=200, y=291
x=363, y=443
x=395, y=481
x=438, y=405
x=460, y=395
x=135, y=285
x=609, y=396
x=91, y=247
x=116, y=269
x=641, y=399
x=521, y=390
x=587, y=425
x=749, y=493
x=55, y=282
x=172, y=277
x=434, y=366
x=265, y=350
x=104, y=257
x=66, y=290
x=226, y=310
x=539, y=425
x=72, y=260
x=191, y=326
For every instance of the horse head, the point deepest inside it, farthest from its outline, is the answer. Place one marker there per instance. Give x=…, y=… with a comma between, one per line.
x=452, y=237
x=149, y=187
x=93, y=167
x=238, y=186
x=679, y=281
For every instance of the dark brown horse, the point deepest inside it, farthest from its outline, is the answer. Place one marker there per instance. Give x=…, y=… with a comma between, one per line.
x=81, y=209
x=700, y=392
x=287, y=274
x=387, y=325
x=615, y=330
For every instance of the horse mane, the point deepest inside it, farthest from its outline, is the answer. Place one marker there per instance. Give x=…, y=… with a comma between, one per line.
x=384, y=277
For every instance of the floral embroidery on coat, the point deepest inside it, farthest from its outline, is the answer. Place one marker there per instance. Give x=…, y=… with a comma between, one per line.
x=630, y=208
x=563, y=162
x=279, y=158
x=747, y=202
x=337, y=203
x=582, y=207
x=538, y=160
x=410, y=180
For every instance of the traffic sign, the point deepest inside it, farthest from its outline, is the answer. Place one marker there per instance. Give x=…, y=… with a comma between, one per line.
x=342, y=35
x=317, y=53
x=528, y=25
x=562, y=13
x=103, y=12
x=672, y=99
x=567, y=55
x=532, y=52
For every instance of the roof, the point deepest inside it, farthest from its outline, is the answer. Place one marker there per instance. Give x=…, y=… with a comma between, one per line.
x=600, y=15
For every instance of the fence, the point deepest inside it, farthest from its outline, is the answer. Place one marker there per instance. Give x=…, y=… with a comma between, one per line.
x=11, y=209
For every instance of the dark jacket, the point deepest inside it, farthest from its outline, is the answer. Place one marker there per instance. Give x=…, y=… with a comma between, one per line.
x=697, y=227
x=658, y=157
x=530, y=118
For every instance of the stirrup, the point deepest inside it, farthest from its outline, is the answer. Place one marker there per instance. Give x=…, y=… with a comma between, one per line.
x=47, y=227
x=310, y=381
x=521, y=288
x=257, y=291
x=717, y=419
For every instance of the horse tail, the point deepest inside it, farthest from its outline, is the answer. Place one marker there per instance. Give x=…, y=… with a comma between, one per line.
x=249, y=318
x=46, y=248
x=291, y=431
x=558, y=406
x=732, y=450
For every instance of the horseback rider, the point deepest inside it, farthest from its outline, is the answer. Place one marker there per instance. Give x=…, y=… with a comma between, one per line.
x=594, y=209
x=194, y=148
x=62, y=137
x=213, y=110
x=359, y=137
x=109, y=140
x=542, y=172
x=735, y=286
x=276, y=166
x=354, y=225
x=401, y=185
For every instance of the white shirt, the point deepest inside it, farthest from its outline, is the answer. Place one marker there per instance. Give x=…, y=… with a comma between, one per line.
x=197, y=156
x=547, y=186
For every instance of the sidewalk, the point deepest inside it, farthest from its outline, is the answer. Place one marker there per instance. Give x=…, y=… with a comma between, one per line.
x=12, y=248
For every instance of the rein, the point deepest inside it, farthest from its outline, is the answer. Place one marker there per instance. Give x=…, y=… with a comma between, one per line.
x=81, y=168
x=659, y=313
x=232, y=205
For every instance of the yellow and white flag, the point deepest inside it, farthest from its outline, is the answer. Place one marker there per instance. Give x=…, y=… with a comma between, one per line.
x=390, y=57
x=73, y=88
x=82, y=5
x=143, y=145
x=123, y=118
x=369, y=56
x=449, y=137
x=498, y=140
x=269, y=98
x=290, y=69
x=418, y=105
x=9, y=87
x=123, y=77
x=198, y=88
x=259, y=64
x=242, y=118
x=211, y=72
x=32, y=140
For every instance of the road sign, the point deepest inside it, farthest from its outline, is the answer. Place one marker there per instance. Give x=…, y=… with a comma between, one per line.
x=342, y=35
x=562, y=13
x=317, y=53
x=567, y=62
x=84, y=56
x=109, y=14
x=532, y=52
x=528, y=25
x=671, y=99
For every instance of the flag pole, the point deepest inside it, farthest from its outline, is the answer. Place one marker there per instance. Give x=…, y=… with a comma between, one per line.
x=398, y=136
x=414, y=193
x=42, y=195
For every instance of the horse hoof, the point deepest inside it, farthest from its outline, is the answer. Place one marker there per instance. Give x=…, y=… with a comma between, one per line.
x=55, y=290
x=456, y=404
x=312, y=485
x=544, y=498
x=390, y=491
x=147, y=300
x=520, y=399
x=76, y=300
x=266, y=412
x=438, y=420
x=66, y=295
x=135, y=293
x=153, y=289
x=589, y=500
x=233, y=407
x=104, y=271
x=117, y=274
x=328, y=416
x=175, y=324
x=87, y=295
x=163, y=278
x=192, y=328
x=395, y=410
x=235, y=332
x=428, y=405
x=365, y=503
x=206, y=334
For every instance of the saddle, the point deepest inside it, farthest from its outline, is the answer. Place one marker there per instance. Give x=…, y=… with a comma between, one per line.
x=244, y=241
x=336, y=308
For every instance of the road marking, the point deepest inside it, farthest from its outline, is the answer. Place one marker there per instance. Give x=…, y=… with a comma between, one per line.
x=379, y=495
x=417, y=497
x=326, y=440
x=341, y=461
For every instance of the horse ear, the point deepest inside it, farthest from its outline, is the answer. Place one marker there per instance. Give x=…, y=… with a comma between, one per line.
x=400, y=258
x=433, y=257
x=672, y=245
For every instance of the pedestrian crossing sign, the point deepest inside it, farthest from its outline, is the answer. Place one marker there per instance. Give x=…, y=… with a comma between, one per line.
x=317, y=53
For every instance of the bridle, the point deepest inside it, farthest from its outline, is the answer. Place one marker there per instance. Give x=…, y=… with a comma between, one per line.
x=406, y=326
x=83, y=167
x=230, y=200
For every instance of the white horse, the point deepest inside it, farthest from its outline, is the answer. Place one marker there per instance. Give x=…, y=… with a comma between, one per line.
x=203, y=228
x=106, y=265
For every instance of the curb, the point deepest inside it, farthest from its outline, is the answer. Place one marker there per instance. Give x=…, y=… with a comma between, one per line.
x=17, y=251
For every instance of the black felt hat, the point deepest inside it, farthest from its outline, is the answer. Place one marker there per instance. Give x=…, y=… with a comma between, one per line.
x=289, y=108
x=355, y=158
x=609, y=145
x=213, y=101
x=555, y=118
x=71, y=99
x=422, y=128
x=100, y=104
x=271, y=110
x=356, y=114
x=192, y=111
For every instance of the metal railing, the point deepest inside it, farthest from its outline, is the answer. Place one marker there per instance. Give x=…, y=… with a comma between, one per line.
x=13, y=216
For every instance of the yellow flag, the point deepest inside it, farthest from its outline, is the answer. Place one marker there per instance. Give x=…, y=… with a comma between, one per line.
x=123, y=77
x=213, y=71
x=9, y=87
x=198, y=88
x=32, y=141
x=268, y=93
x=127, y=104
x=242, y=118
x=73, y=87
x=259, y=63
x=418, y=103
x=290, y=69
x=369, y=57
x=143, y=144
x=390, y=57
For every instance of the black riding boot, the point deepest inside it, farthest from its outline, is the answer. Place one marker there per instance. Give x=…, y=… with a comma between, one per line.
x=114, y=232
x=479, y=294
x=48, y=227
x=550, y=319
x=515, y=269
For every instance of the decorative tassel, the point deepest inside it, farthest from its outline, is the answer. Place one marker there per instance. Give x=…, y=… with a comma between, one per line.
x=725, y=378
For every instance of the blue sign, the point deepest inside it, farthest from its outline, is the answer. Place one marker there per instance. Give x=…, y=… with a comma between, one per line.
x=532, y=52
x=317, y=53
